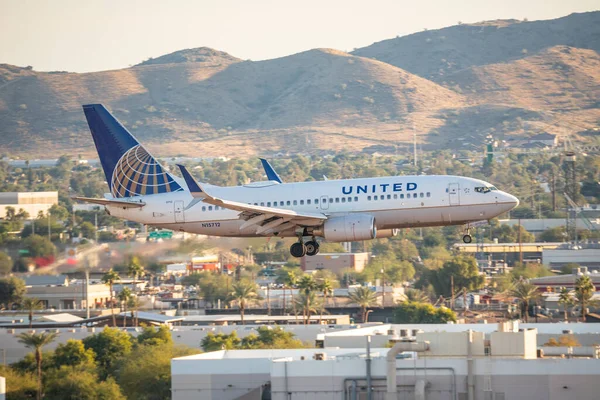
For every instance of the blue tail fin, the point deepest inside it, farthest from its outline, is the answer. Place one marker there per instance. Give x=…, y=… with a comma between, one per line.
x=271, y=174
x=130, y=170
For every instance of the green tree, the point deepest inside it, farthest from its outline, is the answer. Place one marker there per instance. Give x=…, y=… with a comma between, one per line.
x=39, y=246
x=6, y=263
x=12, y=290
x=465, y=272
x=525, y=293
x=135, y=268
x=109, y=279
x=124, y=297
x=364, y=297
x=73, y=354
x=557, y=234
x=110, y=346
x=37, y=341
x=75, y=384
x=151, y=335
x=325, y=286
x=308, y=303
x=584, y=290
x=88, y=230
x=271, y=338
x=243, y=292
x=31, y=304
x=416, y=296
x=19, y=385
x=566, y=300
x=410, y=312
x=220, y=341
x=146, y=373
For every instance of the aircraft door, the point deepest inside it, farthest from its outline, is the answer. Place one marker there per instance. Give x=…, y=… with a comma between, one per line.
x=324, y=202
x=453, y=194
x=178, y=211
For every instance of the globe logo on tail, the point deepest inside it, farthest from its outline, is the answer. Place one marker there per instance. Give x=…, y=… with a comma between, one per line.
x=138, y=173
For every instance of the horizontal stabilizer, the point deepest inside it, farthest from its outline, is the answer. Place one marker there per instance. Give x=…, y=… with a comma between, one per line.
x=109, y=202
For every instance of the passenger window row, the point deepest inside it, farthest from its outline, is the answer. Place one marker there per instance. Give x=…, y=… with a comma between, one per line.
x=349, y=199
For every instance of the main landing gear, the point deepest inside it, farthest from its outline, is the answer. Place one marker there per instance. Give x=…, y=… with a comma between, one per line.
x=300, y=249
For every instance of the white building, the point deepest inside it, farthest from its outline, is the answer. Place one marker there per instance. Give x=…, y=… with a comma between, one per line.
x=31, y=202
x=439, y=365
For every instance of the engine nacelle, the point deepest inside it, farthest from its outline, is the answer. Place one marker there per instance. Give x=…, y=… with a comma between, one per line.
x=350, y=228
x=386, y=233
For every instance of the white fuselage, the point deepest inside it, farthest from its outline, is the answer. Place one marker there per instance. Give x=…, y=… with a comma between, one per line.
x=394, y=202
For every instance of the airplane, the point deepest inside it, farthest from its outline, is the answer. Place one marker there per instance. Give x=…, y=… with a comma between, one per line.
x=344, y=210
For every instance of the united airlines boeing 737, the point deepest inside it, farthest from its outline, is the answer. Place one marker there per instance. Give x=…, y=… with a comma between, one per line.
x=346, y=210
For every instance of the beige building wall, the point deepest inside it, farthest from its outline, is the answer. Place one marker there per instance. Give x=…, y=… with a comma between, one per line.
x=31, y=202
x=70, y=297
x=336, y=262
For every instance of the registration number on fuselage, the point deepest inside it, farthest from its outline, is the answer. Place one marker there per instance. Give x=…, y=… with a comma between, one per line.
x=211, y=224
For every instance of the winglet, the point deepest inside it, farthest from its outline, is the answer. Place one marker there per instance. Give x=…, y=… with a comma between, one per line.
x=191, y=183
x=271, y=174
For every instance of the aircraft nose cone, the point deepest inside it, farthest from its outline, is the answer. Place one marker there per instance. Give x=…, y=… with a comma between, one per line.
x=512, y=200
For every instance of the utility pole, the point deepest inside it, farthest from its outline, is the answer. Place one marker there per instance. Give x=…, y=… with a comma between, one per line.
x=49, y=231
x=452, y=292
x=382, y=288
x=96, y=225
x=520, y=244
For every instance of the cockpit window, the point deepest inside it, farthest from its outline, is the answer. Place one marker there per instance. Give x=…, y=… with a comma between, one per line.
x=483, y=189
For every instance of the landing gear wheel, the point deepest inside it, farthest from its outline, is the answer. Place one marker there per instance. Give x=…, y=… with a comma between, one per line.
x=312, y=248
x=298, y=250
x=467, y=238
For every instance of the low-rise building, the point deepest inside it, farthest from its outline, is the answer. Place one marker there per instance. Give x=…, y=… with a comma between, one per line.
x=336, y=262
x=30, y=202
x=59, y=293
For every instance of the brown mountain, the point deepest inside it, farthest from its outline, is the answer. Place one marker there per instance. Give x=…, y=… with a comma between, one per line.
x=463, y=83
x=435, y=54
x=319, y=99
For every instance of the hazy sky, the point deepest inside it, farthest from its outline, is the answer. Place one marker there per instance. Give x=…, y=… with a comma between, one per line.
x=85, y=35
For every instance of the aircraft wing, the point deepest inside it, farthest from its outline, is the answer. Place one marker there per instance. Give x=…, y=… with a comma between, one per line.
x=265, y=219
x=111, y=202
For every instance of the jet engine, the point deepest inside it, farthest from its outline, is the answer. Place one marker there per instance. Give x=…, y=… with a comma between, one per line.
x=349, y=228
x=386, y=233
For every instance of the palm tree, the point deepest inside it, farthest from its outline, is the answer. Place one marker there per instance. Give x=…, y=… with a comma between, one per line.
x=135, y=269
x=566, y=300
x=124, y=296
x=364, y=297
x=243, y=292
x=31, y=304
x=253, y=269
x=307, y=301
x=525, y=293
x=584, y=290
x=134, y=305
x=109, y=279
x=416, y=296
x=326, y=288
x=306, y=285
x=36, y=341
x=288, y=279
